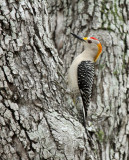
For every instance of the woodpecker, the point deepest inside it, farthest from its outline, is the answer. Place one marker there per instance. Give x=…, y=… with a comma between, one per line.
x=81, y=71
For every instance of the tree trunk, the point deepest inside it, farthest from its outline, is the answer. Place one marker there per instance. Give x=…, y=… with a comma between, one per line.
x=38, y=119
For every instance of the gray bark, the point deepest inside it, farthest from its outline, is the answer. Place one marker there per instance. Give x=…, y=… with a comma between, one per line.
x=38, y=119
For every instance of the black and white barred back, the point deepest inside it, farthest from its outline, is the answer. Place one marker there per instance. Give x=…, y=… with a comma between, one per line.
x=85, y=74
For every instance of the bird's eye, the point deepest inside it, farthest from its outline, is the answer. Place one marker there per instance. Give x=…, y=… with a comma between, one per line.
x=89, y=41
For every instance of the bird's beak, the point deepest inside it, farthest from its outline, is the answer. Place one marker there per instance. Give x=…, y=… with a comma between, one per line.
x=82, y=39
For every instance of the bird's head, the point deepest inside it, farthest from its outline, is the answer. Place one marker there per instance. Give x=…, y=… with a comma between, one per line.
x=92, y=44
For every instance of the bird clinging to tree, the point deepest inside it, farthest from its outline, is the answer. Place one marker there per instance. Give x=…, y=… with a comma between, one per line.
x=81, y=72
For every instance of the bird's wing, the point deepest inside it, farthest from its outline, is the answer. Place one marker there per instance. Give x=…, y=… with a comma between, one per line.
x=85, y=74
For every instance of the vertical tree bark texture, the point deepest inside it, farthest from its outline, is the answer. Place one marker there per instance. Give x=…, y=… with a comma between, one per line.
x=37, y=116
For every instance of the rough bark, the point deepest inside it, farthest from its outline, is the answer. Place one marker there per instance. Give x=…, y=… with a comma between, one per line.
x=38, y=119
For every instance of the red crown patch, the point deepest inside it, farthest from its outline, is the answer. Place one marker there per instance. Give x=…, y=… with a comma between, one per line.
x=94, y=38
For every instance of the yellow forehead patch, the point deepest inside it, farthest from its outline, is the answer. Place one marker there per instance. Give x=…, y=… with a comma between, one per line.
x=85, y=38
